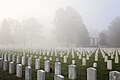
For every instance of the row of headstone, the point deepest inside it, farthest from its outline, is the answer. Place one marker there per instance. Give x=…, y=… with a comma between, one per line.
x=72, y=68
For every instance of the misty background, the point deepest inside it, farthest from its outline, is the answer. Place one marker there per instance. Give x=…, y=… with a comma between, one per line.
x=58, y=23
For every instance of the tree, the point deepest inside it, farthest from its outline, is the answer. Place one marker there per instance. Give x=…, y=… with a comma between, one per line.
x=70, y=28
x=6, y=36
x=114, y=32
x=32, y=30
x=103, y=38
x=17, y=28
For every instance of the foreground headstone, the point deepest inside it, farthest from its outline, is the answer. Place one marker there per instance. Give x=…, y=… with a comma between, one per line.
x=11, y=67
x=19, y=71
x=28, y=73
x=57, y=68
x=58, y=77
x=0, y=62
x=114, y=75
x=47, y=66
x=40, y=75
x=72, y=72
x=37, y=63
x=91, y=74
x=5, y=65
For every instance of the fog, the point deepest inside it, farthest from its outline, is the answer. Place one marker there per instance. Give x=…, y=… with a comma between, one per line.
x=95, y=14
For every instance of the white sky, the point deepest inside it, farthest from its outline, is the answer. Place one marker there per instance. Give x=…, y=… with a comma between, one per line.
x=96, y=14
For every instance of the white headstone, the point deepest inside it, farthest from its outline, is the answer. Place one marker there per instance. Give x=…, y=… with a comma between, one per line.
x=35, y=56
x=23, y=60
x=5, y=56
x=109, y=64
x=61, y=55
x=73, y=62
x=2, y=56
x=28, y=73
x=45, y=58
x=87, y=57
x=40, y=75
x=47, y=66
x=29, y=61
x=5, y=65
x=105, y=58
x=80, y=56
x=94, y=64
x=114, y=75
x=18, y=59
x=11, y=67
x=112, y=56
x=9, y=57
x=91, y=74
x=116, y=59
x=37, y=63
x=0, y=62
x=57, y=59
x=50, y=58
x=96, y=56
x=19, y=70
x=13, y=58
x=58, y=77
x=65, y=59
x=57, y=68
x=84, y=61
x=72, y=72
x=40, y=57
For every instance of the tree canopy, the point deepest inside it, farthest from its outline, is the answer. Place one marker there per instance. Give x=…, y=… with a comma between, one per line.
x=6, y=36
x=114, y=32
x=14, y=32
x=70, y=28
